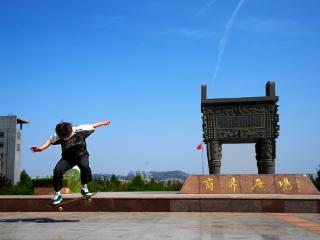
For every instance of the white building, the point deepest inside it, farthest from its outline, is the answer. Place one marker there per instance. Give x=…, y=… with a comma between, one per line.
x=10, y=147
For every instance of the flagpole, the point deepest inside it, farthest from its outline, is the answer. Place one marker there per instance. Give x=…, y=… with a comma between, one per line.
x=200, y=146
x=202, y=160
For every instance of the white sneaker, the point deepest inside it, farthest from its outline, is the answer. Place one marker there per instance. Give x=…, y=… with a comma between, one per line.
x=56, y=198
x=85, y=192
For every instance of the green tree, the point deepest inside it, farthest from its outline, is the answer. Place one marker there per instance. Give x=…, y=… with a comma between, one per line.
x=137, y=184
x=114, y=183
x=25, y=178
x=73, y=178
x=24, y=186
x=155, y=186
x=114, y=179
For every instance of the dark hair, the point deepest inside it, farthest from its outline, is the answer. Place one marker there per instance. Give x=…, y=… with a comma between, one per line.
x=63, y=129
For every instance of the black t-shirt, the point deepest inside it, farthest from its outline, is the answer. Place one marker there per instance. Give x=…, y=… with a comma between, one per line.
x=76, y=145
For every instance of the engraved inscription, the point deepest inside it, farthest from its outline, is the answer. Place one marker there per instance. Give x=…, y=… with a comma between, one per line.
x=209, y=184
x=244, y=121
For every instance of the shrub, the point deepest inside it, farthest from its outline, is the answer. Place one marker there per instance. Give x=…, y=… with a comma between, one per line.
x=42, y=182
x=23, y=187
x=46, y=182
x=111, y=185
x=4, y=181
x=316, y=181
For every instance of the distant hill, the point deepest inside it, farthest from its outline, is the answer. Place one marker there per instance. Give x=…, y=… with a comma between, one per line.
x=156, y=175
x=169, y=174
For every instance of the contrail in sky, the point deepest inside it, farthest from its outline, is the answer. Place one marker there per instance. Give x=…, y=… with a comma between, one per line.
x=208, y=5
x=224, y=38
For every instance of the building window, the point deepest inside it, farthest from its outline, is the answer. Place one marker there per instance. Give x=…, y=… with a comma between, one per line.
x=1, y=144
x=18, y=147
x=18, y=135
x=1, y=134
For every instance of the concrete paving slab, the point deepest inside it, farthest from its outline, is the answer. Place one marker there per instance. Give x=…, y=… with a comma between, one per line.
x=149, y=226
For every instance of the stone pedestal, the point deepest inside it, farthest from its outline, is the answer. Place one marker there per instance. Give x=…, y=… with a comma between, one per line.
x=249, y=184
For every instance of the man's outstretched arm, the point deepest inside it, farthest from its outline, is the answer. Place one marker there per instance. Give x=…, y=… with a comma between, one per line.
x=102, y=123
x=44, y=146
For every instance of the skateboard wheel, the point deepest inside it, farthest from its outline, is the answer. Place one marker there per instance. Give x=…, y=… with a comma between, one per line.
x=60, y=209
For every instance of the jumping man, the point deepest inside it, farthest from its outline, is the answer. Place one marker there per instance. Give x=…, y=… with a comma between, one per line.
x=74, y=152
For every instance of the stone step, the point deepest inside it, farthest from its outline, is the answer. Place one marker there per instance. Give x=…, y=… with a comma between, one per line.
x=168, y=202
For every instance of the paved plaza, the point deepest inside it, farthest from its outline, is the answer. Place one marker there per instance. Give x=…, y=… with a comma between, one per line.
x=149, y=226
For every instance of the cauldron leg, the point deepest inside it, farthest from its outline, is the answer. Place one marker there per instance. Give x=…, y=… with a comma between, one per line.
x=258, y=157
x=214, y=153
x=265, y=155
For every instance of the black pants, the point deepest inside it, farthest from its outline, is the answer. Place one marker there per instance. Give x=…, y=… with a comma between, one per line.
x=65, y=164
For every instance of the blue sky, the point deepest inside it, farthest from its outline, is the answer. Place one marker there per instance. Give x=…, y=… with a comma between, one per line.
x=141, y=64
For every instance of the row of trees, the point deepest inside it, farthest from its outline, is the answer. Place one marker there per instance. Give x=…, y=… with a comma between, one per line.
x=136, y=184
x=72, y=181
x=115, y=185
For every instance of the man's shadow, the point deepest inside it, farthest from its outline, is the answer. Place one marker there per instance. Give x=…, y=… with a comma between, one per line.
x=36, y=220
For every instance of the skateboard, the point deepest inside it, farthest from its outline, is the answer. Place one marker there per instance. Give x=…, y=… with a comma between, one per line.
x=59, y=206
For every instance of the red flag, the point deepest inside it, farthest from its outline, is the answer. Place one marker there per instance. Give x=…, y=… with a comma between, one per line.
x=199, y=147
